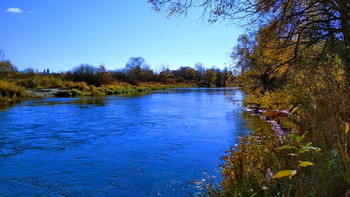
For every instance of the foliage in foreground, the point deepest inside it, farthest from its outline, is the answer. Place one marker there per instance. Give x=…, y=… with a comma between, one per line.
x=267, y=164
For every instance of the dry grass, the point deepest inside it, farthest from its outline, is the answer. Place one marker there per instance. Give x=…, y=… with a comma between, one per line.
x=9, y=91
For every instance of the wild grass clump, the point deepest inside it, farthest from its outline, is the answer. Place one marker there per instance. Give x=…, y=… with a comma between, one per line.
x=77, y=85
x=10, y=91
x=40, y=81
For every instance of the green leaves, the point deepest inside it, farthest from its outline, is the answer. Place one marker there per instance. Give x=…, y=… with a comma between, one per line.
x=297, y=138
x=298, y=149
x=288, y=147
x=285, y=173
x=307, y=148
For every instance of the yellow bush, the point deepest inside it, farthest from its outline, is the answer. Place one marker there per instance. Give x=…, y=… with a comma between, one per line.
x=9, y=89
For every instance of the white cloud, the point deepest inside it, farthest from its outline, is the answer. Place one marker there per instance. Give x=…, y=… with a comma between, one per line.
x=30, y=12
x=14, y=10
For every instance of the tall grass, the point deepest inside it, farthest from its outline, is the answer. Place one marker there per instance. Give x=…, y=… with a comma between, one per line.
x=10, y=92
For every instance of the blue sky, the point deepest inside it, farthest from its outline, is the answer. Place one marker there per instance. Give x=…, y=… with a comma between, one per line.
x=61, y=34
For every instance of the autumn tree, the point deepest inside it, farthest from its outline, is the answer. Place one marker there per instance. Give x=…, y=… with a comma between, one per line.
x=223, y=78
x=186, y=73
x=138, y=70
x=103, y=76
x=210, y=77
x=300, y=24
x=6, y=68
x=85, y=72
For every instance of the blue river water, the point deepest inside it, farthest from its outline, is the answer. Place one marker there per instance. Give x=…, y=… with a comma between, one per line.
x=162, y=143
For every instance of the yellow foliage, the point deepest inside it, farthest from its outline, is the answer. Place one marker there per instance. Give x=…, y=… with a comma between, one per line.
x=305, y=163
x=285, y=173
x=346, y=127
x=9, y=89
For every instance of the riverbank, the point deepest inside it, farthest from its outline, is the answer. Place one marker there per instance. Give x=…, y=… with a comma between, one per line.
x=302, y=151
x=10, y=92
x=103, y=90
x=87, y=80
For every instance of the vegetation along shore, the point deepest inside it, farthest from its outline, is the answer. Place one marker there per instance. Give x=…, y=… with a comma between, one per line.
x=88, y=80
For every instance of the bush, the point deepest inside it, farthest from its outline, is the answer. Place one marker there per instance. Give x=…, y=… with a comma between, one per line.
x=11, y=90
x=6, y=68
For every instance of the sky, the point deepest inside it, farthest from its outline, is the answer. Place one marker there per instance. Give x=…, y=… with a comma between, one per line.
x=62, y=34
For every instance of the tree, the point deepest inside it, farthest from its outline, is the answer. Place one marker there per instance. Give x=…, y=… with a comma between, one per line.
x=136, y=63
x=199, y=68
x=29, y=71
x=223, y=78
x=186, y=73
x=84, y=69
x=210, y=77
x=300, y=24
x=103, y=77
x=264, y=64
x=6, y=68
x=85, y=72
x=138, y=70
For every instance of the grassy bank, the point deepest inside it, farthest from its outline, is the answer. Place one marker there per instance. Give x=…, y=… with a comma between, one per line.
x=18, y=89
x=115, y=89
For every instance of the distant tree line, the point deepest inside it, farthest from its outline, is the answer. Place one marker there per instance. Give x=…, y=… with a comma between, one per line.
x=135, y=71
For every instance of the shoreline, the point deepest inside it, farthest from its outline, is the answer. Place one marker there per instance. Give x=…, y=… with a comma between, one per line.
x=85, y=91
x=273, y=123
x=45, y=93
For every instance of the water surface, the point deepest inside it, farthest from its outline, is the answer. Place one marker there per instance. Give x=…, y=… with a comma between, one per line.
x=154, y=144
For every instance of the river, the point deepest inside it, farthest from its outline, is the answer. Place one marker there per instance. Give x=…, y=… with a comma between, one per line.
x=161, y=143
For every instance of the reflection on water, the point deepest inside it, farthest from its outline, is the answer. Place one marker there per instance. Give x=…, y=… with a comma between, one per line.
x=4, y=106
x=59, y=101
x=145, y=145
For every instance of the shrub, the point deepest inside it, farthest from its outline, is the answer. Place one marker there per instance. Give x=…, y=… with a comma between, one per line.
x=11, y=90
